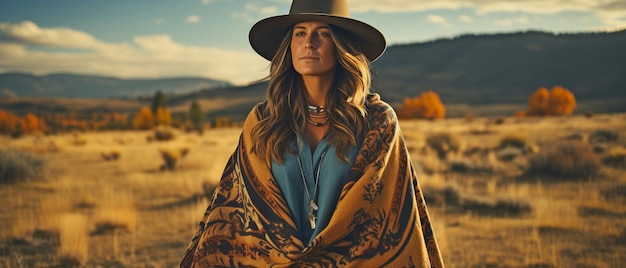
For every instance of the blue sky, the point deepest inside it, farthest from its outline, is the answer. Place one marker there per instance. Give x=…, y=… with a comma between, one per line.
x=208, y=38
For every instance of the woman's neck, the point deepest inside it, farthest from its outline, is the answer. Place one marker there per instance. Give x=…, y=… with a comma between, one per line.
x=316, y=89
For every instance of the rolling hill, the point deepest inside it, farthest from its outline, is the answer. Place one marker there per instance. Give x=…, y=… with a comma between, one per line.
x=87, y=86
x=482, y=74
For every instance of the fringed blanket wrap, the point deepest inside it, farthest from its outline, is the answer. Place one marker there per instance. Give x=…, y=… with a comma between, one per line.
x=380, y=218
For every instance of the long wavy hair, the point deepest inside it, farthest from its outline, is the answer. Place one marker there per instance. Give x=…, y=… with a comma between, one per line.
x=285, y=113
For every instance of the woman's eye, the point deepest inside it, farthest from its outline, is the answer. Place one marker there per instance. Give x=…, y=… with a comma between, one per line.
x=324, y=34
x=299, y=34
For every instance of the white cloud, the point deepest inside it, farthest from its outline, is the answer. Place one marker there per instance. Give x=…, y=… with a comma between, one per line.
x=436, y=19
x=206, y=2
x=193, y=19
x=611, y=12
x=465, y=18
x=29, y=33
x=150, y=56
x=266, y=10
x=159, y=21
x=253, y=12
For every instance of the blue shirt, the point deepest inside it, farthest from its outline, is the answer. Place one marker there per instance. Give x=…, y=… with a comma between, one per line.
x=333, y=175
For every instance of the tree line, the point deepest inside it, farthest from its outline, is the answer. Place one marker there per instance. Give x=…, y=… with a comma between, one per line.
x=428, y=105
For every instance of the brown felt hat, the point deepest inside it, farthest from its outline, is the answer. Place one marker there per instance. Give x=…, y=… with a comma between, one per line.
x=267, y=34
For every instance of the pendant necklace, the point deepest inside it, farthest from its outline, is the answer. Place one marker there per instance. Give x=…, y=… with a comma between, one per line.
x=312, y=204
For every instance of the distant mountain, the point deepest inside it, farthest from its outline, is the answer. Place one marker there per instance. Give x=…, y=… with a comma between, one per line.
x=506, y=68
x=487, y=70
x=495, y=73
x=85, y=86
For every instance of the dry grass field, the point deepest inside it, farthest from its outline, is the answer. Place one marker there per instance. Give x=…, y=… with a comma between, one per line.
x=502, y=192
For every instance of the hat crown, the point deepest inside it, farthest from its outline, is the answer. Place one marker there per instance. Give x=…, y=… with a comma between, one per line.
x=330, y=7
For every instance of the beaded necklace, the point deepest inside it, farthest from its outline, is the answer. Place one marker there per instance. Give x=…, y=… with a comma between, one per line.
x=317, y=112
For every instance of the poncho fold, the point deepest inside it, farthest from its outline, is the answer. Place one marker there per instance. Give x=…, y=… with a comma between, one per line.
x=380, y=219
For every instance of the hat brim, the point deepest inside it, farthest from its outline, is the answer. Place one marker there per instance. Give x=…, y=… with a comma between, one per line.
x=267, y=34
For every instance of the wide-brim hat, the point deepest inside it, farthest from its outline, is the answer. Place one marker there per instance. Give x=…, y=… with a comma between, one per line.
x=267, y=34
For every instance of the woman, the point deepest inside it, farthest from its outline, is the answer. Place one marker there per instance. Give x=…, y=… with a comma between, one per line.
x=321, y=176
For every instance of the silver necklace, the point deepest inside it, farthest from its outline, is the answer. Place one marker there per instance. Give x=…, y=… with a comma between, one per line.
x=312, y=204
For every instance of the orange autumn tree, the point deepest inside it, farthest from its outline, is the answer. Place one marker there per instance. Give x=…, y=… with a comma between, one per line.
x=144, y=119
x=32, y=124
x=9, y=122
x=14, y=125
x=428, y=106
x=558, y=101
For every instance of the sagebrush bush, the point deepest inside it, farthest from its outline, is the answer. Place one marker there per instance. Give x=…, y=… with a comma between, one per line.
x=519, y=141
x=164, y=134
x=499, y=207
x=172, y=156
x=111, y=155
x=480, y=163
x=569, y=159
x=443, y=143
x=616, y=157
x=603, y=136
x=444, y=194
x=18, y=166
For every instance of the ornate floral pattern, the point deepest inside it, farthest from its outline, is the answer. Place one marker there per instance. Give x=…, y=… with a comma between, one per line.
x=380, y=218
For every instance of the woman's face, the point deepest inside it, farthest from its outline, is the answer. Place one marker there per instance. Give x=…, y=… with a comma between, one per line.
x=312, y=49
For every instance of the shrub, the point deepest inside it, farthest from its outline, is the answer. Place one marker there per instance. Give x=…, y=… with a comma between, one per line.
x=514, y=140
x=572, y=159
x=575, y=137
x=513, y=145
x=616, y=157
x=164, y=134
x=111, y=155
x=18, y=166
x=443, y=143
x=439, y=195
x=496, y=206
x=482, y=163
x=171, y=157
x=603, y=136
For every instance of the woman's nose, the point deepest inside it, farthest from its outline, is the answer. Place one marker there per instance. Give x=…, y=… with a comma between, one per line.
x=309, y=41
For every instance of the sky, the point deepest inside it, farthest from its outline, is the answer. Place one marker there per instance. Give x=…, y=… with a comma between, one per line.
x=209, y=38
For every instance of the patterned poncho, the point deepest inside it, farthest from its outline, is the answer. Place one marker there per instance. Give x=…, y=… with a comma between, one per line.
x=380, y=219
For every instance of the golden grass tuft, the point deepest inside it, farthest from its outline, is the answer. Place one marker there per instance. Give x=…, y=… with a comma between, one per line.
x=107, y=220
x=74, y=240
x=79, y=140
x=556, y=214
x=116, y=212
x=49, y=211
